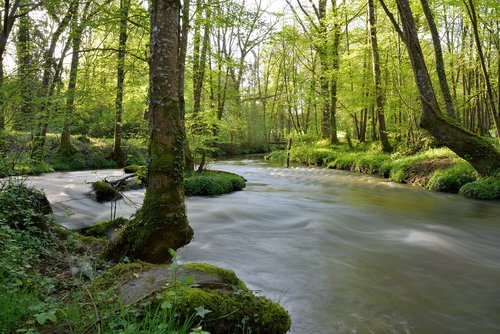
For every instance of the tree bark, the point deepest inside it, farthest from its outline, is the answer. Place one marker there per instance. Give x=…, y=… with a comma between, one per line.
x=440, y=69
x=183, y=42
x=76, y=31
x=161, y=224
x=377, y=77
x=118, y=153
x=474, y=149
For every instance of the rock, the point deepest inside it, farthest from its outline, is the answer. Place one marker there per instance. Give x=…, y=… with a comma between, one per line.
x=105, y=192
x=233, y=307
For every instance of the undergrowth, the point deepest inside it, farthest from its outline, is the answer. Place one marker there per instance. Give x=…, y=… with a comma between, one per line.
x=436, y=169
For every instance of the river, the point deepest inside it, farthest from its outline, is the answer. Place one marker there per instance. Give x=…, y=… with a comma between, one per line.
x=342, y=252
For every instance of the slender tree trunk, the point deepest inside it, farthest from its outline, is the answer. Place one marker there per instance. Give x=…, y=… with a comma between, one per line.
x=47, y=77
x=76, y=31
x=471, y=11
x=26, y=74
x=379, y=93
x=118, y=153
x=440, y=69
x=183, y=42
x=9, y=17
x=161, y=224
x=476, y=150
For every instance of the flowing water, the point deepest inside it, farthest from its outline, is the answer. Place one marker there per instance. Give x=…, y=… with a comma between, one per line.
x=342, y=252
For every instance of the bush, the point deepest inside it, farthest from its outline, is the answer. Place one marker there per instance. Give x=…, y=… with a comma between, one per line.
x=212, y=183
x=488, y=188
x=451, y=179
x=22, y=207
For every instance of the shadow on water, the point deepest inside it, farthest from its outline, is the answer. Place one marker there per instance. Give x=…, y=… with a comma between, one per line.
x=343, y=252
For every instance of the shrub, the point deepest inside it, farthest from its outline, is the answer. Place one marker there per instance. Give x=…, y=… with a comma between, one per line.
x=453, y=178
x=212, y=183
x=488, y=188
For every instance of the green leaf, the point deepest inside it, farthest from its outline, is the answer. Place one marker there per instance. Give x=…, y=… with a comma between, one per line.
x=201, y=311
x=166, y=305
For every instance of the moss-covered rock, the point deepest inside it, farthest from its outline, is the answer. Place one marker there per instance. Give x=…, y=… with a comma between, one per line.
x=488, y=188
x=134, y=169
x=213, y=183
x=104, y=192
x=187, y=288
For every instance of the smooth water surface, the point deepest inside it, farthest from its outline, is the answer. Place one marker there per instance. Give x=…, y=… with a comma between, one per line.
x=342, y=252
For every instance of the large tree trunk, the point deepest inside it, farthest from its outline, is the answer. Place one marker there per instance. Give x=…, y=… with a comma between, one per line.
x=118, y=154
x=161, y=223
x=476, y=150
x=377, y=77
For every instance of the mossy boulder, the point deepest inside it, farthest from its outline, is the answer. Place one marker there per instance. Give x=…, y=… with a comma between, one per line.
x=189, y=287
x=105, y=192
x=213, y=183
x=134, y=169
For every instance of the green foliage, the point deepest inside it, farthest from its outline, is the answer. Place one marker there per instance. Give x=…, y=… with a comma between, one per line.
x=22, y=207
x=488, y=188
x=452, y=179
x=212, y=183
x=24, y=235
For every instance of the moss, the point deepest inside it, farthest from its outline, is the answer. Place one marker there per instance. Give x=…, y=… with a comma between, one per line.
x=102, y=229
x=134, y=169
x=119, y=274
x=453, y=178
x=213, y=183
x=225, y=275
x=232, y=313
x=488, y=188
x=105, y=192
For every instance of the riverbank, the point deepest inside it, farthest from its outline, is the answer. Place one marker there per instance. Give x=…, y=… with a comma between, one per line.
x=437, y=169
x=55, y=281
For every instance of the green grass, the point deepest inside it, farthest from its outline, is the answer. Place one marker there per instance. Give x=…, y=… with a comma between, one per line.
x=488, y=188
x=398, y=167
x=212, y=183
x=451, y=179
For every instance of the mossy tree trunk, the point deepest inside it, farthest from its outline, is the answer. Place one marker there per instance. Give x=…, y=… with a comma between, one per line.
x=474, y=149
x=161, y=223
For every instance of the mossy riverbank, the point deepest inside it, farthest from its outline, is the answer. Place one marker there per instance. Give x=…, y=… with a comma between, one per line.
x=436, y=169
x=55, y=281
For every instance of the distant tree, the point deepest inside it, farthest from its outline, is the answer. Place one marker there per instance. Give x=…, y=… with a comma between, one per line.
x=161, y=223
x=474, y=149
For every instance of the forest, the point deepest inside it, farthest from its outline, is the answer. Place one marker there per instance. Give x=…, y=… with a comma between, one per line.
x=180, y=97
